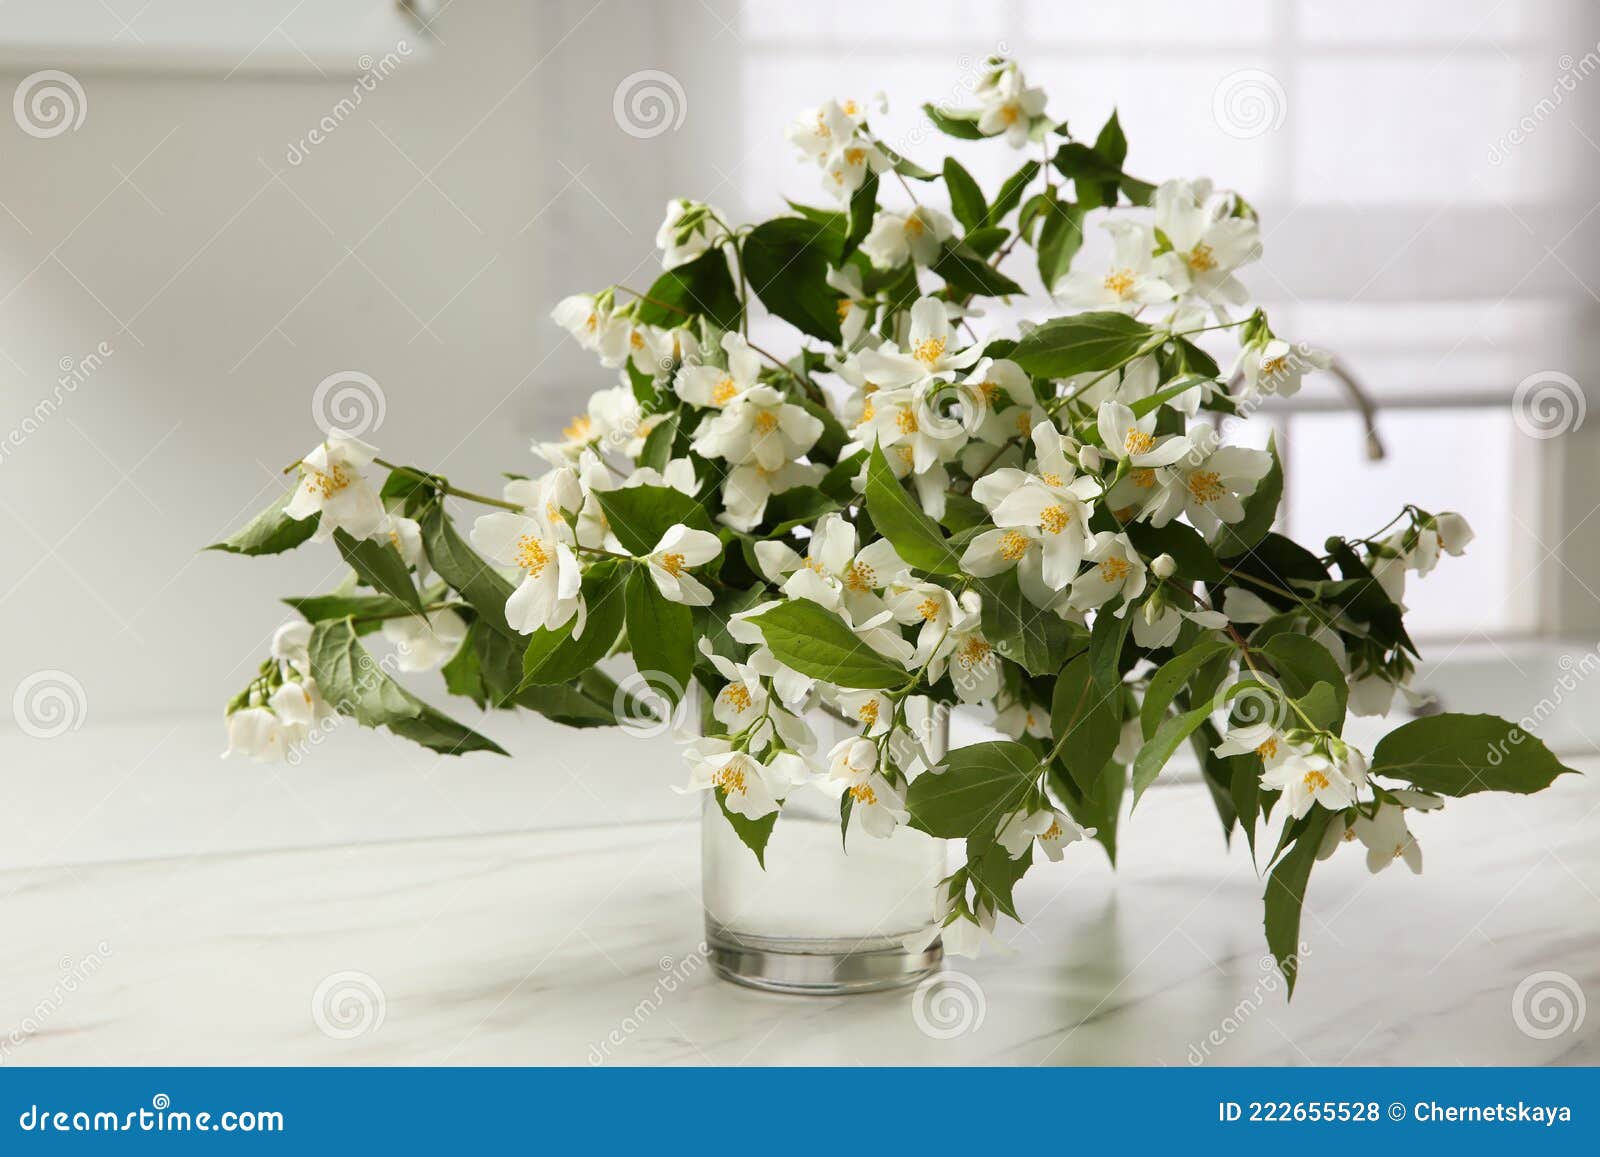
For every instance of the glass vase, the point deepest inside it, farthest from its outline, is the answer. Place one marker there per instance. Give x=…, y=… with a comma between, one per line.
x=826, y=915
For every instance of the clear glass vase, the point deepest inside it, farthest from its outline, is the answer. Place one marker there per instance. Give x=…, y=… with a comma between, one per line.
x=826, y=915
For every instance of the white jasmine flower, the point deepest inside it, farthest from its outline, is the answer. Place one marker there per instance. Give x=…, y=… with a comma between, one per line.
x=715, y=387
x=332, y=486
x=591, y=321
x=1134, y=440
x=928, y=351
x=1208, y=483
x=1021, y=719
x=968, y=656
x=746, y=784
x=687, y=231
x=423, y=642
x=834, y=573
x=256, y=733
x=1009, y=106
x=289, y=643
x=548, y=595
x=917, y=236
x=1208, y=243
x=1449, y=532
x=1387, y=839
x=820, y=132
x=877, y=806
x=1274, y=368
x=750, y=485
x=611, y=417
x=962, y=936
x=743, y=700
x=1311, y=777
x=1118, y=570
x=926, y=605
x=405, y=535
x=873, y=709
x=758, y=426
x=853, y=759
x=856, y=310
x=902, y=421
x=1000, y=392
x=680, y=549
x=1054, y=830
x=847, y=167
x=1136, y=277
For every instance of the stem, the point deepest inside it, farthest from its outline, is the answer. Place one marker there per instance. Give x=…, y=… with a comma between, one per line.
x=427, y=610
x=604, y=553
x=445, y=488
x=812, y=390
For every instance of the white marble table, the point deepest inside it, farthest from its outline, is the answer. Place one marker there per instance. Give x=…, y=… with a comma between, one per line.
x=578, y=945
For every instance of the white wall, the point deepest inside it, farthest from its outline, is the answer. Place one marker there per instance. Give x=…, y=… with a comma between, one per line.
x=422, y=243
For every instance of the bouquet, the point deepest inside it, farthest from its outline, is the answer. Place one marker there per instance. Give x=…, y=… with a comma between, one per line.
x=1053, y=526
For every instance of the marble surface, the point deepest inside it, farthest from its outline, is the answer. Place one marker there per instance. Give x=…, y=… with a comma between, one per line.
x=580, y=946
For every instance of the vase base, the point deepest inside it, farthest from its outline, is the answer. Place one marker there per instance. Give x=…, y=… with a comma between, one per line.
x=819, y=967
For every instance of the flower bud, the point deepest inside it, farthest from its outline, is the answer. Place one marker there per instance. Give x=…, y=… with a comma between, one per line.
x=1090, y=458
x=1162, y=566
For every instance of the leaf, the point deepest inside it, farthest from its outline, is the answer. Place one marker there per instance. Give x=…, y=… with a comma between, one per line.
x=1458, y=755
x=1060, y=238
x=569, y=706
x=701, y=287
x=1037, y=640
x=1159, y=748
x=1189, y=550
x=378, y=564
x=863, y=208
x=555, y=656
x=640, y=515
x=1171, y=677
x=966, y=199
x=1010, y=194
x=270, y=532
x=967, y=272
x=986, y=240
x=1301, y=663
x=661, y=633
x=1100, y=807
x=1260, y=511
x=754, y=834
x=797, y=506
x=1286, y=892
x=916, y=537
x=1086, y=721
x=356, y=685
x=961, y=124
x=786, y=262
x=815, y=642
x=658, y=444
x=972, y=790
x=464, y=571
x=994, y=874
x=1086, y=341
x=1106, y=640
x=1112, y=146
x=315, y=608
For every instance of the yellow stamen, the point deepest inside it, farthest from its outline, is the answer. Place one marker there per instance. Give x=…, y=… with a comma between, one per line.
x=863, y=793
x=725, y=392
x=1205, y=486
x=1050, y=479
x=1054, y=519
x=973, y=652
x=1315, y=781
x=737, y=696
x=327, y=483
x=844, y=307
x=855, y=156
x=929, y=350
x=1268, y=747
x=1120, y=282
x=1053, y=832
x=1013, y=545
x=532, y=556
x=928, y=608
x=580, y=429
x=1114, y=569
x=730, y=777
x=1137, y=442
x=1143, y=478
x=906, y=422
x=766, y=422
x=914, y=226
x=860, y=577
x=869, y=712
x=1201, y=259
x=672, y=564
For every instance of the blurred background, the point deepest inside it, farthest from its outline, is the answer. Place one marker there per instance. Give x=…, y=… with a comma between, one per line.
x=208, y=212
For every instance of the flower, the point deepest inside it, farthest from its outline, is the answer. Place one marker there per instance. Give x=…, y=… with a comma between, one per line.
x=834, y=572
x=926, y=605
x=750, y=484
x=743, y=699
x=745, y=783
x=968, y=656
x=856, y=309
x=422, y=642
x=928, y=349
x=590, y=319
x=405, y=535
x=1209, y=243
x=333, y=487
x=289, y=645
x=896, y=238
x=681, y=548
x=1273, y=368
x=1307, y=777
x=874, y=709
x=687, y=231
x=1209, y=482
x=758, y=426
x=1134, y=440
x=1041, y=519
x=1008, y=106
x=1053, y=829
x=255, y=732
x=1387, y=838
x=847, y=167
x=610, y=418
x=548, y=595
x=715, y=387
x=853, y=759
x=1136, y=277
x=876, y=806
x=964, y=935
x=1448, y=532
x=1118, y=570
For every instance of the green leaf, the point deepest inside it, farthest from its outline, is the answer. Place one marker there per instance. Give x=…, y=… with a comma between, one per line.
x=786, y=263
x=1010, y=194
x=378, y=564
x=569, y=706
x=973, y=790
x=661, y=633
x=658, y=444
x=966, y=199
x=1459, y=755
x=640, y=515
x=1171, y=677
x=270, y=532
x=702, y=287
x=1112, y=146
x=1086, y=341
x=916, y=537
x=1301, y=663
x=1189, y=550
x=1106, y=640
x=315, y=608
x=1100, y=807
x=1086, y=720
x=555, y=656
x=1159, y=748
x=985, y=241
x=1286, y=892
x=754, y=834
x=815, y=642
x=1037, y=640
x=994, y=874
x=1060, y=238
x=958, y=123
x=350, y=680
x=464, y=571
x=967, y=272
x=1260, y=511
x=863, y=208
